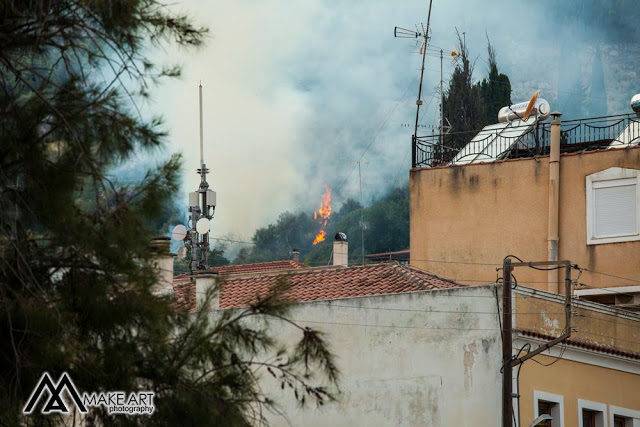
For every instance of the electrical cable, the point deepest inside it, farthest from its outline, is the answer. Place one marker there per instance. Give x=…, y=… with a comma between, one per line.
x=518, y=381
x=564, y=347
x=612, y=275
x=337, y=192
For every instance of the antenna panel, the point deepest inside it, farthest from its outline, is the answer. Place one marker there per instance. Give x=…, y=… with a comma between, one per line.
x=193, y=199
x=211, y=198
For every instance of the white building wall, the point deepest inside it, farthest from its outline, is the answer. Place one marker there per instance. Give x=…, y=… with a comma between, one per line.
x=413, y=359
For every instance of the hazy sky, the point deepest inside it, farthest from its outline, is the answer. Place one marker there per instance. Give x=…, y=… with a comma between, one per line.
x=296, y=91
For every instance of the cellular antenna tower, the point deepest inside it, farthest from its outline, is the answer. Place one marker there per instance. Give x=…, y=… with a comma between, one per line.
x=202, y=205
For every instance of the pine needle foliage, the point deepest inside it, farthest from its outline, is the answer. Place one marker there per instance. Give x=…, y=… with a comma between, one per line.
x=77, y=277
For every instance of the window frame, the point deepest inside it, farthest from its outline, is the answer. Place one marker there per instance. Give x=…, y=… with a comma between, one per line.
x=602, y=420
x=557, y=412
x=612, y=177
x=628, y=414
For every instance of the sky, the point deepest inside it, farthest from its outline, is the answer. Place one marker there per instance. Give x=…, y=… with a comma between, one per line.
x=296, y=93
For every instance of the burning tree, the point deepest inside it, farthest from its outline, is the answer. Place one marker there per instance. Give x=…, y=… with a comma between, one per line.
x=322, y=216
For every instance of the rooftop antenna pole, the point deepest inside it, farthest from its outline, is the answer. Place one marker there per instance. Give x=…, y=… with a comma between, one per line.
x=424, y=56
x=204, y=186
x=201, y=134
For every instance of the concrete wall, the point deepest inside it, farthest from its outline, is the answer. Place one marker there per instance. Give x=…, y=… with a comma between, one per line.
x=466, y=219
x=411, y=359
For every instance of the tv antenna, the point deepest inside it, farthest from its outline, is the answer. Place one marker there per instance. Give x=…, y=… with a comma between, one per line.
x=202, y=205
x=404, y=33
x=363, y=225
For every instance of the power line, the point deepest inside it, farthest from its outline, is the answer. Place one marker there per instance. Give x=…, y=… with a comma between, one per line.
x=611, y=275
x=231, y=240
x=376, y=134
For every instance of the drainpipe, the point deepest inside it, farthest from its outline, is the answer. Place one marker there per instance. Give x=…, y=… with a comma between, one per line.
x=554, y=199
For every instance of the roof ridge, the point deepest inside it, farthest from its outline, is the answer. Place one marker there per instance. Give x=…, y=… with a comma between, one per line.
x=433, y=275
x=409, y=275
x=288, y=261
x=583, y=344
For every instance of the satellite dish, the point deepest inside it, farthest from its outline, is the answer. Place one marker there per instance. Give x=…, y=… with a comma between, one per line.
x=532, y=104
x=182, y=253
x=179, y=232
x=203, y=225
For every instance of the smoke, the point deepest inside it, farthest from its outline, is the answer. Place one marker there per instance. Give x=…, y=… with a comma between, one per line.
x=296, y=93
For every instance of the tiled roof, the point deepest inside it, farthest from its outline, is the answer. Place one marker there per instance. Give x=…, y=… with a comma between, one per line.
x=258, y=267
x=581, y=344
x=319, y=283
x=250, y=268
x=184, y=293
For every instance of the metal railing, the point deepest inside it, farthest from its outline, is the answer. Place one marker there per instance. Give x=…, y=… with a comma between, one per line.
x=489, y=145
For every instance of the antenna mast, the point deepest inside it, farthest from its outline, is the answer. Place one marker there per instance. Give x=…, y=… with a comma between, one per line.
x=201, y=134
x=424, y=56
x=202, y=205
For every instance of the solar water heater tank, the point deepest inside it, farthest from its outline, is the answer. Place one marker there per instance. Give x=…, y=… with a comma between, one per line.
x=516, y=111
x=635, y=104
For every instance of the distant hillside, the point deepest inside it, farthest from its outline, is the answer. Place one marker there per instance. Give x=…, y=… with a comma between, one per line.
x=386, y=229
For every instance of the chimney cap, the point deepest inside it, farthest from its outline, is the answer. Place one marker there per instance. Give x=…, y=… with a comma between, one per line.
x=341, y=237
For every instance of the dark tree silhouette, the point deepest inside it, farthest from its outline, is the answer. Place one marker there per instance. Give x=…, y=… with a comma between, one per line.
x=76, y=273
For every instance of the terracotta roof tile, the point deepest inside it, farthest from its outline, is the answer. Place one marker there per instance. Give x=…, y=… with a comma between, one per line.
x=319, y=283
x=184, y=293
x=252, y=268
x=258, y=267
x=582, y=344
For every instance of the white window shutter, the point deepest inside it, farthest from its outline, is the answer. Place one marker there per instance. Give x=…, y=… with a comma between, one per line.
x=615, y=211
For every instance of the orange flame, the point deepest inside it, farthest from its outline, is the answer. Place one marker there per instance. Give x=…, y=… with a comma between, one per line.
x=322, y=215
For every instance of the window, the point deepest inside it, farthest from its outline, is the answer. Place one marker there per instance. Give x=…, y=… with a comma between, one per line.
x=621, y=417
x=545, y=407
x=612, y=201
x=620, y=421
x=548, y=403
x=589, y=418
x=591, y=414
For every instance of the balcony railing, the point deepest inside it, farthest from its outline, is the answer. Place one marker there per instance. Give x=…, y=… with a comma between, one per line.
x=493, y=144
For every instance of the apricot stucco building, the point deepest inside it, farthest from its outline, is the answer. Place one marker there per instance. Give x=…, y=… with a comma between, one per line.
x=547, y=191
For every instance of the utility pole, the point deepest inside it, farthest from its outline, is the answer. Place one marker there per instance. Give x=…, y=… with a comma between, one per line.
x=507, y=343
x=361, y=213
x=441, y=101
x=508, y=361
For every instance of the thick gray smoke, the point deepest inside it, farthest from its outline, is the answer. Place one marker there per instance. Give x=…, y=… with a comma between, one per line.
x=297, y=92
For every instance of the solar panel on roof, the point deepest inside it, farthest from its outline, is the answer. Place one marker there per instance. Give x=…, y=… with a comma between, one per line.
x=629, y=136
x=493, y=141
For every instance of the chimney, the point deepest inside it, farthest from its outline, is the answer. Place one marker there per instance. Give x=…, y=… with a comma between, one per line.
x=207, y=282
x=163, y=262
x=295, y=255
x=341, y=250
